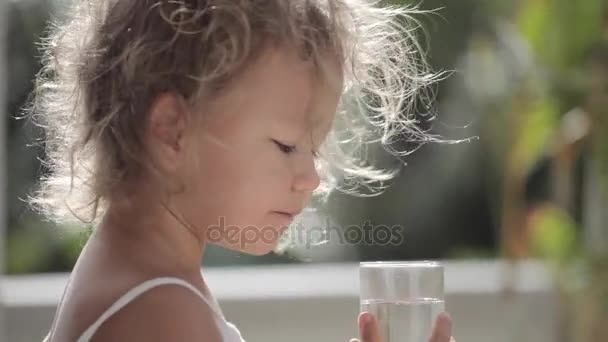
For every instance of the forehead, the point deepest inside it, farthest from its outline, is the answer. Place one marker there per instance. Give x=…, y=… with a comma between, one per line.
x=282, y=90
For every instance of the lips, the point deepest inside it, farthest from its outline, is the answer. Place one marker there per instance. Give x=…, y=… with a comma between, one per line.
x=289, y=214
x=284, y=214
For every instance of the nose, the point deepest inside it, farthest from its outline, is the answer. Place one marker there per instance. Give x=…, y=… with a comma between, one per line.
x=306, y=176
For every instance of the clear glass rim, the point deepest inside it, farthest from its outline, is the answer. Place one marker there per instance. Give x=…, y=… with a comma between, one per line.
x=402, y=264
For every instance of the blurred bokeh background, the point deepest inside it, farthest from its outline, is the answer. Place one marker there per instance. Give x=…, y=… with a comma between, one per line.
x=529, y=83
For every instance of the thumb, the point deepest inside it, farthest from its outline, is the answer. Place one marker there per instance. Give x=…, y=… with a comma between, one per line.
x=368, y=328
x=442, y=330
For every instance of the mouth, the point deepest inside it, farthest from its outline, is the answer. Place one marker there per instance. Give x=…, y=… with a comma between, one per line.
x=287, y=214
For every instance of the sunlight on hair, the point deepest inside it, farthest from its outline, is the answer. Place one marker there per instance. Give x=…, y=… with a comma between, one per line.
x=103, y=67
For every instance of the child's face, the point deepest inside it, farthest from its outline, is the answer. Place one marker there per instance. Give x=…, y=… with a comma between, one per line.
x=248, y=179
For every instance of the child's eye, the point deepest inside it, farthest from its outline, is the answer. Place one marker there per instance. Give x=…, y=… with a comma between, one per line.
x=284, y=148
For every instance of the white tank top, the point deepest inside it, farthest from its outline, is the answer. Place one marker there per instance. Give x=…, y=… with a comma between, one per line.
x=228, y=330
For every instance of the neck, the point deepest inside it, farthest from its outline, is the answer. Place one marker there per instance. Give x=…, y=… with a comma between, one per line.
x=154, y=234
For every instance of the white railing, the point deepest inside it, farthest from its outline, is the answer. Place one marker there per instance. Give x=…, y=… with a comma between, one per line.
x=319, y=302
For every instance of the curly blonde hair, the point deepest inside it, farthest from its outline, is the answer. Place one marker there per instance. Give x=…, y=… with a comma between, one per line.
x=109, y=59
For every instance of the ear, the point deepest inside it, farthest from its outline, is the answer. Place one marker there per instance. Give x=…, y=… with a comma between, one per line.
x=166, y=130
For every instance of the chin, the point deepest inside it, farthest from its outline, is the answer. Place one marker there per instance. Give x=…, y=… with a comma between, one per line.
x=259, y=249
x=252, y=249
x=261, y=243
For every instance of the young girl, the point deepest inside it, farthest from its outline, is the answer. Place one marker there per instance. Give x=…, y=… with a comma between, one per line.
x=172, y=124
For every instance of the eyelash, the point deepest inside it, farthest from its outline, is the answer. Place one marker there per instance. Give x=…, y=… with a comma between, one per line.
x=284, y=148
x=291, y=148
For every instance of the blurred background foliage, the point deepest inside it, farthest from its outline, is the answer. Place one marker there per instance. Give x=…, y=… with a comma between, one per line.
x=530, y=80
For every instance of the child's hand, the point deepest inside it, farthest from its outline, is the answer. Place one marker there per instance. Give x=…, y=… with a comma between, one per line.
x=368, y=329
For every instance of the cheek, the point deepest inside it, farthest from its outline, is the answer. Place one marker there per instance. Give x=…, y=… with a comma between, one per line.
x=243, y=183
x=239, y=183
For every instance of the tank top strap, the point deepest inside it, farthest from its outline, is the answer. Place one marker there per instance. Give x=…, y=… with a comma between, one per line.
x=139, y=290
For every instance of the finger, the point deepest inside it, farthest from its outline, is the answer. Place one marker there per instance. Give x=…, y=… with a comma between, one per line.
x=368, y=328
x=442, y=331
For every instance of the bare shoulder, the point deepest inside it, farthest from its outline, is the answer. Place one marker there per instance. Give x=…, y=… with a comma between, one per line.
x=164, y=313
